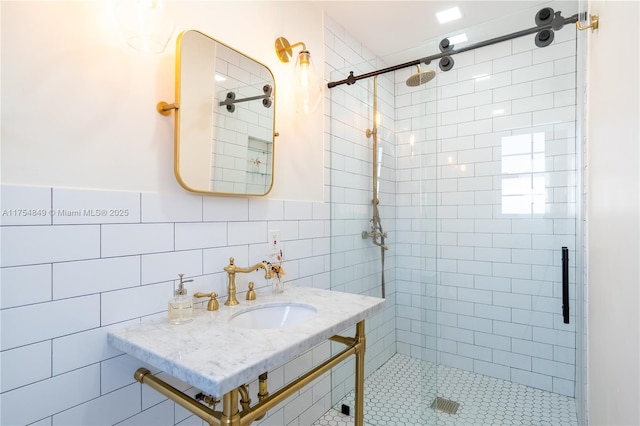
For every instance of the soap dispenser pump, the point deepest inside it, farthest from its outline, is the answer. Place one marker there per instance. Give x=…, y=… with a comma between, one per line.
x=181, y=305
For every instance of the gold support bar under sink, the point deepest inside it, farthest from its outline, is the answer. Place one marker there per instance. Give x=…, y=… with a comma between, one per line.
x=231, y=415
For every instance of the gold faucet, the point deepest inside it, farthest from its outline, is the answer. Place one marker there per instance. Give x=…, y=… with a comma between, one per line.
x=231, y=271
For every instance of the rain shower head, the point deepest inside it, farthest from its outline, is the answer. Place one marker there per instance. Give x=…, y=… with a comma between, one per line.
x=421, y=77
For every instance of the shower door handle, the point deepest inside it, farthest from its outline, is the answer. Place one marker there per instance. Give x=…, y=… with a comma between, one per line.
x=565, y=284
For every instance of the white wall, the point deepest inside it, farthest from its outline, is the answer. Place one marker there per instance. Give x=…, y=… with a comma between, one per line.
x=613, y=217
x=83, y=103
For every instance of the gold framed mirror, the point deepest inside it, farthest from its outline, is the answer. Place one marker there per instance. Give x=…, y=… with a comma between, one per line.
x=224, y=118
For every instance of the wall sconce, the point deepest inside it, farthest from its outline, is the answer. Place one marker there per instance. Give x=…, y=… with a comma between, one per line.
x=307, y=88
x=144, y=24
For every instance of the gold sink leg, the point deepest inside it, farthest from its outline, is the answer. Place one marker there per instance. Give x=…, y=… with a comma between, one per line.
x=359, y=388
x=230, y=412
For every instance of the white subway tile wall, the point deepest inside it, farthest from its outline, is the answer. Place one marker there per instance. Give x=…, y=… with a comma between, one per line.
x=77, y=262
x=356, y=262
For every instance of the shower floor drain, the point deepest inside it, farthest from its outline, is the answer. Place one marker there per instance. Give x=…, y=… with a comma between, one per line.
x=445, y=405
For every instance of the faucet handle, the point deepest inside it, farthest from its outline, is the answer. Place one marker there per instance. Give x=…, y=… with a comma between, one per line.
x=213, y=304
x=251, y=294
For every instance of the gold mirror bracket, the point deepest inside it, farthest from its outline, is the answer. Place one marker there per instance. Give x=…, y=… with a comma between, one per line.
x=165, y=108
x=593, y=25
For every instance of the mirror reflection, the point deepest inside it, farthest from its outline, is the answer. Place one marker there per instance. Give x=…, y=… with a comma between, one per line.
x=225, y=119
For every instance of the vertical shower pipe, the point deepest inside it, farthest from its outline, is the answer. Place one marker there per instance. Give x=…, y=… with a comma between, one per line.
x=376, y=227
x=374, y=132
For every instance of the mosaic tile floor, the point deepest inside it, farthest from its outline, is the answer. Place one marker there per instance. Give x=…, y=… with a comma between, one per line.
x=393, y=395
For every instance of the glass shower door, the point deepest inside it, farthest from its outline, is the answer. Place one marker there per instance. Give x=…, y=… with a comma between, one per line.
x=504, y=187
x=479, y=194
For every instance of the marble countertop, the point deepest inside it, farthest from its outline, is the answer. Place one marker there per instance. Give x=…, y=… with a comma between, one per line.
x=215, y=357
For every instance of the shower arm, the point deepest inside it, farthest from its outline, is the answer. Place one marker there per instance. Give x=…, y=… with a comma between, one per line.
x=351, y=79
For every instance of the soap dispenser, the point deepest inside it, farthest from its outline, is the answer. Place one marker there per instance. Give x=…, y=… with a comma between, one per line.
x=181, y=305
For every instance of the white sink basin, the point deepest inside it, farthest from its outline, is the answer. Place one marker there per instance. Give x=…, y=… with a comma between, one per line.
x=273, y=315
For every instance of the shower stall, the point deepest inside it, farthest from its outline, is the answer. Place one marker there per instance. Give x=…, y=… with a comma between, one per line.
x=476, y=166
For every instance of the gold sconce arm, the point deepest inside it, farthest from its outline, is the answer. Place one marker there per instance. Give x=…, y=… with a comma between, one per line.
x=593, y=25
x=284, y=49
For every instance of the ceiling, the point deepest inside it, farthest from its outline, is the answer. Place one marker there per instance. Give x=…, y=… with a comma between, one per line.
x=400, y=31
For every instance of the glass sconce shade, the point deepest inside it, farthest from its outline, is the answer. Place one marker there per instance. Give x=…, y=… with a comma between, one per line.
x=145, y=24
x=307, y=88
